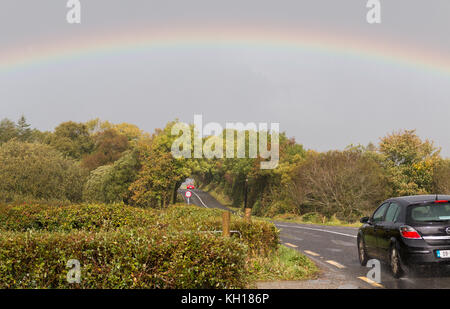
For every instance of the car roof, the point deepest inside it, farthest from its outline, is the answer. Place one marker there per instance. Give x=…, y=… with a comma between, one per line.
x=417, y=199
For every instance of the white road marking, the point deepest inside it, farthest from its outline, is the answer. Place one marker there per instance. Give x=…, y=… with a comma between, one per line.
x=311, y=253
x=334, y=263
x=371, y=282
x=200, y=199
x=320, y=230
x=290, y=245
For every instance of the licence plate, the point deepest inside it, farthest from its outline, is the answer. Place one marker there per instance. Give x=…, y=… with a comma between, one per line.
x=443, y=254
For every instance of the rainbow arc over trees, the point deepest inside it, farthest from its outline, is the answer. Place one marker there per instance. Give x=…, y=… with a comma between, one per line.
x=123, y=42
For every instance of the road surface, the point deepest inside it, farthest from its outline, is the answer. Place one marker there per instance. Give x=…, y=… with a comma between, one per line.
x=334, y=250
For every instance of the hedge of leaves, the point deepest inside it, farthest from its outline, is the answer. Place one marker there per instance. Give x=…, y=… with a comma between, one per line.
x=120, y=246
x=91, y=217
x=260, y=236
x=121, y=259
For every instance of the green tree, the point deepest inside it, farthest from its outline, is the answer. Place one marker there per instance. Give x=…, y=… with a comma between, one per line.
x=161, y=174
x=37, y=171
x=110, y=183
x=441, y=177
x=24, y=131
x=409, y=162
x=72, y=139
x=8, y=130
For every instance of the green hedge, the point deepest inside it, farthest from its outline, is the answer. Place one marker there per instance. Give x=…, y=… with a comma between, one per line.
x=122, y=259
x=121, y=246
x=261, y=237
x=91, y=217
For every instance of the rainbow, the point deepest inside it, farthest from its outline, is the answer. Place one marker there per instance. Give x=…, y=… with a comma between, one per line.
x=138, y=40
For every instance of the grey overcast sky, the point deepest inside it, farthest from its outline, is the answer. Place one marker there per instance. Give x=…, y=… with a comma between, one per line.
x=323, y=98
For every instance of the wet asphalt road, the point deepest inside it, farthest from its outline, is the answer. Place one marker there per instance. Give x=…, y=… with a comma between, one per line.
x=334, y=249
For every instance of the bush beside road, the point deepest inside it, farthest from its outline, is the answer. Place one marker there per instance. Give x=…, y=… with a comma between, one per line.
x=120, y=246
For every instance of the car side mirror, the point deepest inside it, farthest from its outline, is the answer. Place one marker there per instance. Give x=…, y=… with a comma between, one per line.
x=365, y=220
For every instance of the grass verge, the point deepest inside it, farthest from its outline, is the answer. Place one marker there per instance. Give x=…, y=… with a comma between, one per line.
x=283, y=264
x=315, y=219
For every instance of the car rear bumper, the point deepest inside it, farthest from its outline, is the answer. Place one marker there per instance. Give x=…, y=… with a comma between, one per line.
x=422, y=255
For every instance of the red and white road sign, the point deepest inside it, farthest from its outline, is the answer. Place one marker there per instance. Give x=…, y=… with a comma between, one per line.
x=188, y=194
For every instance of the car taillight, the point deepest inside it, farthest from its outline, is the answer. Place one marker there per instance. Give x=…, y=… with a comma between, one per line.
x=409, y=232
x=441, y=201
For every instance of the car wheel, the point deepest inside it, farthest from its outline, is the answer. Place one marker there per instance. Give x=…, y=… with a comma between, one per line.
x=394, y=262
x=363, y=258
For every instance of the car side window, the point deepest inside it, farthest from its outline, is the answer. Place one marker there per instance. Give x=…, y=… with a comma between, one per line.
x=392, y=212
x=379, y=213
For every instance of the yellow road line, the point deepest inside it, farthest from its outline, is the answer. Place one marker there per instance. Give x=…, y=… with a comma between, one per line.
x=334, y=263
x=311, y=253
x=371, y=282
x=290, y=245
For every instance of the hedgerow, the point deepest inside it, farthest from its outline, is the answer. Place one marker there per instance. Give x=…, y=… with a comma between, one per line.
x=91, y=217
x=126, y=258
x=260, y=237
x=120, y=246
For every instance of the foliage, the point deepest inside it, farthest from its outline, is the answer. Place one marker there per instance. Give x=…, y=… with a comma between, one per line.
x=39, y=172
x=130, y=131
x=124, y=258
x=110, y=183
x=72, y=139
x=409, y=162
x=8, y=130
x=121, y=246
x=161, y=174
x=345, y=183
x=441, y=177
x=20, y=130
x=402, y=164
x=65, y=218
x=109, y=146
x=283, y=264
x=342, y=183
x=261, y=237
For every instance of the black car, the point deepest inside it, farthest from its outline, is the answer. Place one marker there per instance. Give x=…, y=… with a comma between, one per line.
x=405, y=231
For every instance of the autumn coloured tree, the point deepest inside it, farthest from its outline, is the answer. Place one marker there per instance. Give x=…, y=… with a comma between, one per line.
x=409, y=162
x=109, y=146
x=161, y=174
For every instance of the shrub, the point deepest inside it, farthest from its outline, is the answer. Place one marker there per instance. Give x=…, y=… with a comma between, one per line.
x=91, y=217
x=109, y=184
x=345, y=183
x=121, y=246
x=38, y=172
x=125, y=258
x=441, y=177
x=260, y=236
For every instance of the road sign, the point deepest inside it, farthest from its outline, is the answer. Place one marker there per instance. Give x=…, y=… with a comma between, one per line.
x=188, y=194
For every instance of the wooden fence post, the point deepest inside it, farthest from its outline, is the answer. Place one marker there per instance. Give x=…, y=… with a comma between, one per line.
x=226, y=224
x=248, y=214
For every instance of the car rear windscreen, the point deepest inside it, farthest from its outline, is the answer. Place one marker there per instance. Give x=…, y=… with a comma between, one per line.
x=431, y=212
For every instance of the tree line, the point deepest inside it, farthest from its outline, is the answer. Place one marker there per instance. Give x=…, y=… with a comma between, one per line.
x=98, y=161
